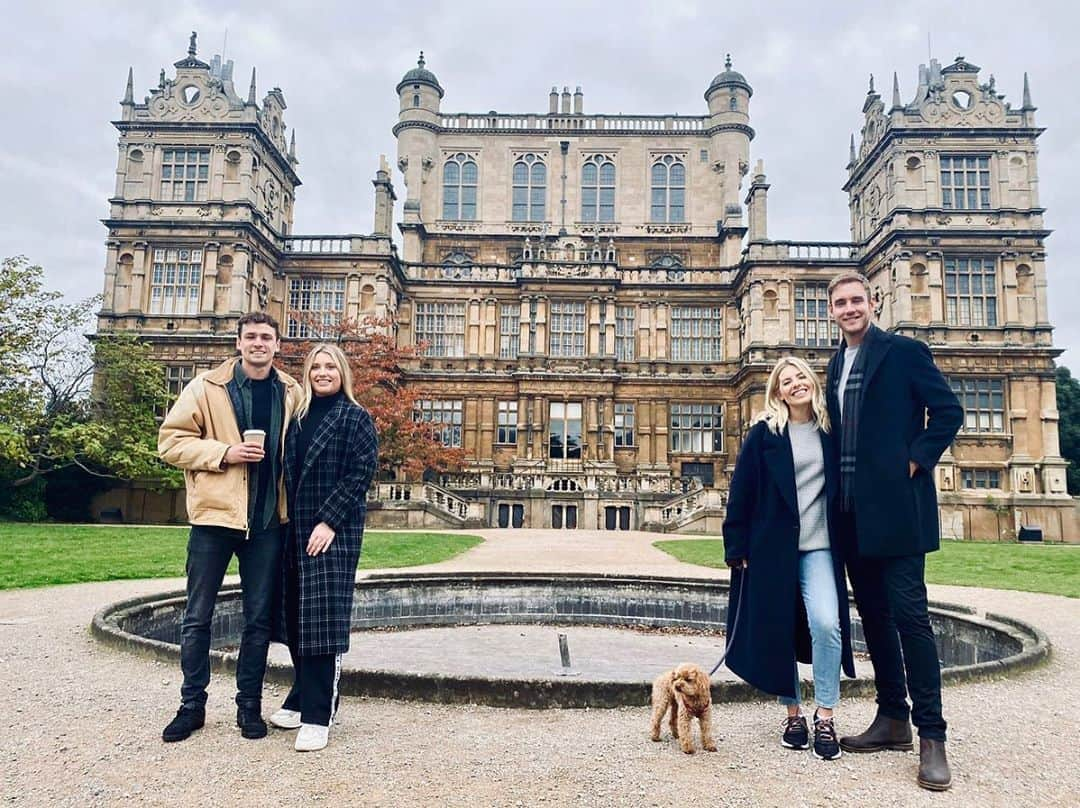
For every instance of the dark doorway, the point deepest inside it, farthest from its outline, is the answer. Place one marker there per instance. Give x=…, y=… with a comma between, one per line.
x=564, y=516
x=617, y=517
x=511, y=515
x=703, y=472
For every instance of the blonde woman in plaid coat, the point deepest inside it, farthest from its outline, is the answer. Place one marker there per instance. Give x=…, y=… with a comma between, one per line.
x=331, y=452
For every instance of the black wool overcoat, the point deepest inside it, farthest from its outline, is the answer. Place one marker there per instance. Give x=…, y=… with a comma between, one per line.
x=329, y=485
x=762, y=526
x=907, y=412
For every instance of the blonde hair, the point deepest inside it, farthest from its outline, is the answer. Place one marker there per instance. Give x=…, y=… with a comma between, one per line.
x=776, y=413
x=848, y=277
x=342, y=362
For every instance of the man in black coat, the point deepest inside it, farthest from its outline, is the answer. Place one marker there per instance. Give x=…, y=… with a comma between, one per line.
x=893, y=415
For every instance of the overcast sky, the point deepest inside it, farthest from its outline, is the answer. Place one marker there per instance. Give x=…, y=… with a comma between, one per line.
x=64, y=65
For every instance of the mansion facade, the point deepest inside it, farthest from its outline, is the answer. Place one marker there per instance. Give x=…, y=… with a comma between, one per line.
x=599, y=295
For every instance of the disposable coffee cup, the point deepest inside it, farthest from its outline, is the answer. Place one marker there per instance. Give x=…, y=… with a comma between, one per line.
x=255, y=436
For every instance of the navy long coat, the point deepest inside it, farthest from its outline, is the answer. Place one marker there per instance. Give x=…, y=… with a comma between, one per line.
x=331, y=486
x=907, y=412
x=762, y=526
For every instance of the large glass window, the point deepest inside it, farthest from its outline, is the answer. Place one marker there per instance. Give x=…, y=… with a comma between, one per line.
x=567, y=326
x=445, y=414
x=176, y=378
x=564, y=430
x=442, y=327
x=625, y=333
x=316, y=307
x=175, y=280
x=965, y=182
x=983, y=400
x=185, y=175
x=970, y=291
x=509, y=330
x=598, y=190
x=508, y=419
x=624, y=424
x=980, y=478
x=814, y=328
x=668, y=187
x=459, y=187
x=529, y=189
x=697, y=428
x=697, y=333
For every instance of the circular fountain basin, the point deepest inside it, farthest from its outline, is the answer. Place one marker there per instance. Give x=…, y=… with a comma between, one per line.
x=493, y=638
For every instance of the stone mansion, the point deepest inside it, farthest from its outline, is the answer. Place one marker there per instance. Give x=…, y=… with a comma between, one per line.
x=600, y=295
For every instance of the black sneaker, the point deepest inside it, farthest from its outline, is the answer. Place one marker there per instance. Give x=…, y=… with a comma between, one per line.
x=250, y=722
x=796, y=734
x=188, y=719
x=826, y=747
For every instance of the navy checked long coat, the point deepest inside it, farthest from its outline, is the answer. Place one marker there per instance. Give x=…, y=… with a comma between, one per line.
x=331, y=486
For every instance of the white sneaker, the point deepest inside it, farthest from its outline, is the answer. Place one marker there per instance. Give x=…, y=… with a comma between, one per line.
x=312, y=737
x=286, y=719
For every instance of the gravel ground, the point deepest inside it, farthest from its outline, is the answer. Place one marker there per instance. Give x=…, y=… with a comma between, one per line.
x=80, y=725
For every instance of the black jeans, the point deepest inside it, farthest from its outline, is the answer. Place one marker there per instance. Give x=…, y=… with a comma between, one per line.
x=314, y=692
x=890, y=593
x=210, y=549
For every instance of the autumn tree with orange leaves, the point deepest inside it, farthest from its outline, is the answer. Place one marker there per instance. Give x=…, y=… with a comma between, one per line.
x=406, y=446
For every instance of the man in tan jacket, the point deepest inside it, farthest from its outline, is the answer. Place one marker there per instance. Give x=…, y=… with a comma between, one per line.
x=236, y=504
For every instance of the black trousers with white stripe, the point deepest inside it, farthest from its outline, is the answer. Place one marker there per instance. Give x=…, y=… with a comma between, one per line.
x=314, y=691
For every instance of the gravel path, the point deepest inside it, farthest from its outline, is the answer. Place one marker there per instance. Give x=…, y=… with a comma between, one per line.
x=80, y=724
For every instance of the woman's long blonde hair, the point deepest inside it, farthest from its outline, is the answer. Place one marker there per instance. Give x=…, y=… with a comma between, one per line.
x=776, y=414
x=342, y=363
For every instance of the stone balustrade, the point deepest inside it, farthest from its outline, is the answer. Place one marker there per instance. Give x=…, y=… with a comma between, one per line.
x=575, y=123
x=601, y=271
x=819, y=251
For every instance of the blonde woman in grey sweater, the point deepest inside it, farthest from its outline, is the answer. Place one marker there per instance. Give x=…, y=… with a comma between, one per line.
x=778, y=540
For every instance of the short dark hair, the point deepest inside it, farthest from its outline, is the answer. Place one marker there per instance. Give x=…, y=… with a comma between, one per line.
x=849, y=277
x=257, y=318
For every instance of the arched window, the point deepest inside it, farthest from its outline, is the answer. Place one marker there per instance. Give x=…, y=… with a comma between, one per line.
x=530, y=189
x=598, y=190
x=668, y=184
x=459, y=187
x=416, y=99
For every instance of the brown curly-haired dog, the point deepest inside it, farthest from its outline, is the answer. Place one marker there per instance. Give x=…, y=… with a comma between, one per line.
x=687, y=691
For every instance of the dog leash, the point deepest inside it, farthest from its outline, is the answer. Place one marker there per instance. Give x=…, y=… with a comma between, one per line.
x=734, y=623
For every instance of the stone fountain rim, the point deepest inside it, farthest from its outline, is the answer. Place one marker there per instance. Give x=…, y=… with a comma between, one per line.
x=552, y=692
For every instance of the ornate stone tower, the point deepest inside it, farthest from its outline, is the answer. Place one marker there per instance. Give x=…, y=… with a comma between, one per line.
x=728, y=97
x=205, y=185
x=943, y=193
x=418, y=122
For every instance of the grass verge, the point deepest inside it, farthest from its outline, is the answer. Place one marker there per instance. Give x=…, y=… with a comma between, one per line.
x=1050, y=568
x=34, y=555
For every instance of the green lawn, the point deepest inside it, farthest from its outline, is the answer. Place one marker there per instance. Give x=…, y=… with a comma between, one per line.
x=43, y=554
x=1054, y=569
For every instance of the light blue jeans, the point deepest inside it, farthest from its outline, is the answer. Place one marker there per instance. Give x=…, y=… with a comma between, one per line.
x=818, y=585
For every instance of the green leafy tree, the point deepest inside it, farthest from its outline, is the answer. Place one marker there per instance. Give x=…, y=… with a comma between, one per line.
x=1068, y=404
x=66, y=401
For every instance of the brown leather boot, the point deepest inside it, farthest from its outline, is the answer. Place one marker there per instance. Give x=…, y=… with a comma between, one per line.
x=884, y=733
x=933, y=766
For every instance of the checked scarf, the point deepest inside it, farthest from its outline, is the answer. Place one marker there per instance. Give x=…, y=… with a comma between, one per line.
x=849, y=421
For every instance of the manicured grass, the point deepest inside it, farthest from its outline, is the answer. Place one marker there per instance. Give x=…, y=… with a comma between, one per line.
x=1054, y=569
x=43, y=554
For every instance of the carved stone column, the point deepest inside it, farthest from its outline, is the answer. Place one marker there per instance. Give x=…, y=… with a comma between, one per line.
x=137, y=299
x=209, y=279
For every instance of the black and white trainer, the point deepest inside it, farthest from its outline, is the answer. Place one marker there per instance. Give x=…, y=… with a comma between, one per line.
x=826, y=746
x=796, y=733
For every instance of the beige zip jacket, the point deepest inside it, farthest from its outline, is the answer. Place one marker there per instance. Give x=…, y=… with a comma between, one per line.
x=198, y=430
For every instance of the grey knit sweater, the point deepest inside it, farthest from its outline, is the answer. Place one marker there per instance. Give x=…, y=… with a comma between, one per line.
x=810, y=485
